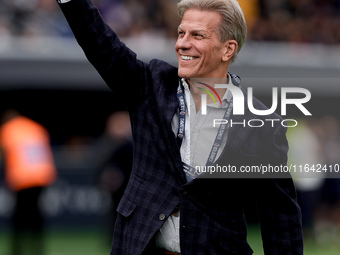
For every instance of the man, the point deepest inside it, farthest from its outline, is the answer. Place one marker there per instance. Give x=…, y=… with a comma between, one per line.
x=29, y=168
x=166, y=207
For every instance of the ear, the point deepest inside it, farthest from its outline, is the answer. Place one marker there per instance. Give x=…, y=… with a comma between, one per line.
x=230, y=49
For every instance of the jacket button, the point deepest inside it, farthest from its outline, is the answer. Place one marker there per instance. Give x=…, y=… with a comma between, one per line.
x=161, y=216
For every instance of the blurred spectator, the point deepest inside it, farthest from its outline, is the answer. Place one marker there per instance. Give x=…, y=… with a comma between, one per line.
x=305, y=151
x=301, y=21
x=32, y=18
x=29, y=168
x=329, y=211
x=251, y=10
x=5, y=33
x=114, y=157
x=313, y=143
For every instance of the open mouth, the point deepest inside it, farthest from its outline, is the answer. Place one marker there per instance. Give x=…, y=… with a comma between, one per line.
x=188, y=57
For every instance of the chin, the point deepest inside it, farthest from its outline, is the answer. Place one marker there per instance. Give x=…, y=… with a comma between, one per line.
x=184, y=74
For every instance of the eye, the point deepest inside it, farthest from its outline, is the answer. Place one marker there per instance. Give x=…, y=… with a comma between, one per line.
x=198, y=35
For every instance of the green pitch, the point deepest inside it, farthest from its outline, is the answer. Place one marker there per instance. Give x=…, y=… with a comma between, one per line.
x=96, y=242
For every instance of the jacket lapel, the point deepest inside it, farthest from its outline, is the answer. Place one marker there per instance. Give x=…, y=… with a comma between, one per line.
x=168, y=109
x=238, y=133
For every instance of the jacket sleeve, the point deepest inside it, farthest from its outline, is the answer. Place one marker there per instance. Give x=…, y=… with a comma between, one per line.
x=116, y=63
x=279, y=213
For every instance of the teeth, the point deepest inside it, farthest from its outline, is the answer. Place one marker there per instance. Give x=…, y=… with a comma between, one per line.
x=187, y=58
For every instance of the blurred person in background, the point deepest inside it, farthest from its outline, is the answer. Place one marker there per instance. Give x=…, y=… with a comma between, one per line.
x=298, y=21
x=29, y=168
x=305, y=150
x=31, y=19
x=328, y=214
x=114, y=160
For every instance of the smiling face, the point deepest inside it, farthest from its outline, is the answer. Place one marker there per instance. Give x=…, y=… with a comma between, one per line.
x=199, y=51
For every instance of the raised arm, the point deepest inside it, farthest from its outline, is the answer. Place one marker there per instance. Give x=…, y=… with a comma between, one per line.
x=115, y=62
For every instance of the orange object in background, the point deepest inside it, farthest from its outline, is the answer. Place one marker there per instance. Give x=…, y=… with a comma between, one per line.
x=251, y=11
x=28, y=157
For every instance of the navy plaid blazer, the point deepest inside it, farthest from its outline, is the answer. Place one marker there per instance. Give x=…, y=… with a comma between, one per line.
x=212, y=210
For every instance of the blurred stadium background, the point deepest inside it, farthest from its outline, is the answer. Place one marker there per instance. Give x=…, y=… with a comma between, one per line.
x=44, y=74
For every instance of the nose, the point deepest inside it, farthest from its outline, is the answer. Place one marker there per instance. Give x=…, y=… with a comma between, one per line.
x=183, y=42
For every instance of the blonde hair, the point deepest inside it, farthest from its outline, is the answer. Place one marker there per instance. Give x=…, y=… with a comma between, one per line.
x=233, y=25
